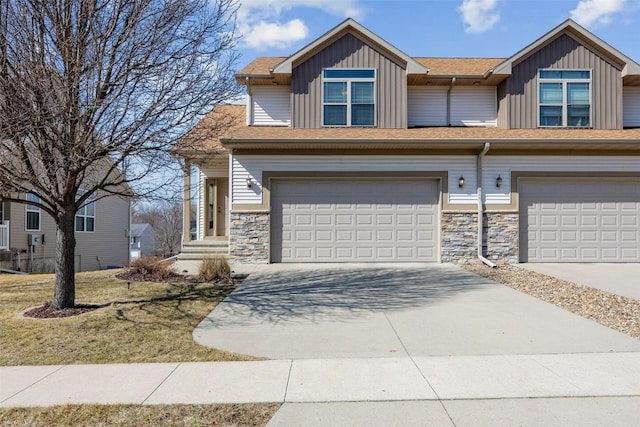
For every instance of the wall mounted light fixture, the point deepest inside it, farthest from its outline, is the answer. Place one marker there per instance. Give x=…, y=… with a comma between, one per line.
x=498, y=181
x=461, y=182
x=249, y=182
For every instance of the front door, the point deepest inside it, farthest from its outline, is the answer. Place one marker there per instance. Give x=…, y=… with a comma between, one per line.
x=222, y=201
x=216, y=200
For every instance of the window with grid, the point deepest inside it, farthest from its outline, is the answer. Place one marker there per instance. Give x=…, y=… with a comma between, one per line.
x=564, y=98
x=86, y=215
x=348, y=97
x=32, y=214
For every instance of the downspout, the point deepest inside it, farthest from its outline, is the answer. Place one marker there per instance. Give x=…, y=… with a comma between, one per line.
x=480, y=205
x=249, y=106
x=453, y=82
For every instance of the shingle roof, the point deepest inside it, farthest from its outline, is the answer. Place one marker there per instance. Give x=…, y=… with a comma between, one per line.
x=205, y=136
x=459, y=66
x=247, y=133
x=261, y=65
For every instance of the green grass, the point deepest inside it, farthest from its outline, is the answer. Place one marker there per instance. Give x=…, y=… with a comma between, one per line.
x=251, y=415
x=148, y=322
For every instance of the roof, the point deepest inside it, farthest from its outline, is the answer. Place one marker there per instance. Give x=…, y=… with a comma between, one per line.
x=459, y=66
x=261, y=66
x=434, y=139
x=138, y=229
x=205, y=136
x=349, y=25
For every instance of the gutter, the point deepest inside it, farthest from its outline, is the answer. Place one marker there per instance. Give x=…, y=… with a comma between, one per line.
x=484, y=151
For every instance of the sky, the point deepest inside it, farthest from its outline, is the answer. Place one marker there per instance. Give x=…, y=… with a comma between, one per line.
x=441, y=28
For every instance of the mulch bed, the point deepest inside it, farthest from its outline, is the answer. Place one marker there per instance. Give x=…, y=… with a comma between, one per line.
x=46, y=312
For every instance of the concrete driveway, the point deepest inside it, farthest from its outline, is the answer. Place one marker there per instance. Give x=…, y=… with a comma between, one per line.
x=621, y=279
x=361, y=310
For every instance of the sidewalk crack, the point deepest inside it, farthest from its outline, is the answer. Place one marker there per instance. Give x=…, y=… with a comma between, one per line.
x=161, y=382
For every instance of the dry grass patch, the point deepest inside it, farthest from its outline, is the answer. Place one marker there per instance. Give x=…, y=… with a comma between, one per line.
x=141, y=322
x=251, y=415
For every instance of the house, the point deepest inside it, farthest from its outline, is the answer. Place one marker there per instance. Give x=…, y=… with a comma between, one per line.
x=350, y=150
x=143, y=241
x=28, y=236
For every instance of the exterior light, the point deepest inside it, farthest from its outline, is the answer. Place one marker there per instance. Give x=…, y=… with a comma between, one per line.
x=498, y=181
x=249, y=182
x=461, y=182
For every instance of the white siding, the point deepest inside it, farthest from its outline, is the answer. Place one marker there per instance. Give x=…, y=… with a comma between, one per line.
x=631, y=107
x=474, y=106
x=271, y=105
x=427, y=106
x=503, y=165
x=245, y=166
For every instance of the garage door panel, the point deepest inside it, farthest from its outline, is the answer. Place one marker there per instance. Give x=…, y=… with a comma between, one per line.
x=359, y=221
x=594, y=222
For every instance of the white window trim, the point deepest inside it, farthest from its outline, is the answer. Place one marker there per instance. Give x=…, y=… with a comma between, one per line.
x=90, y=200
x=349, y=80
x=33, y=209
x=564, y=104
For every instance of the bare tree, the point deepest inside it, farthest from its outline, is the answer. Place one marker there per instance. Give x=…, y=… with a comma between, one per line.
x=94, y=93
x=165, y=218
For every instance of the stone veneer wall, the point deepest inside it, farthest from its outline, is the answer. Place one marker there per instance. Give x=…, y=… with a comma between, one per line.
x=249, y=237
x=502, y=237
x=459, y=233
x=458, y=237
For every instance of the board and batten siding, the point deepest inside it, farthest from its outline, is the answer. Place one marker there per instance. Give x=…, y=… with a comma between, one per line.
x=631, y=105
x=565, y=53
x=254, y=165
x=350, y=51
x=270, y=105
x=504, y=165
x=427, y=105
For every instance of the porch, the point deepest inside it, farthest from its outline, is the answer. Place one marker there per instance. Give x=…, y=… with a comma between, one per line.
x=211, y=194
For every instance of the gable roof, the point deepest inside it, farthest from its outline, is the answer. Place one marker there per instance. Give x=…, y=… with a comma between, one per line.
x=138, y=229
x=205, y=136
x=570, y=27
x=348, y=25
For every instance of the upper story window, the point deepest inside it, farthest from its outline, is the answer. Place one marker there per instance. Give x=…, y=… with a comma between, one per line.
x=564, y=98
x=32, y=214
x=348, y=97
x=86, y=215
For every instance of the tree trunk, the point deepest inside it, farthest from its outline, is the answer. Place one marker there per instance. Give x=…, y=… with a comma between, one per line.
x=65, y=290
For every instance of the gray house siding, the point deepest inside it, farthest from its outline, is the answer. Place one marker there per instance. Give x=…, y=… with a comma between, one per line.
x=565, y=53
x=503, y=105
x=110, y=240
x=349, y=52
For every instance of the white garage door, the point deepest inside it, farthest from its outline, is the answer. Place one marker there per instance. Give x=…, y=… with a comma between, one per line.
x=579, y=221
x=342, y=221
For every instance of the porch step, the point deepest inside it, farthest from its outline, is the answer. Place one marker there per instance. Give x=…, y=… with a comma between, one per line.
x=198, y=249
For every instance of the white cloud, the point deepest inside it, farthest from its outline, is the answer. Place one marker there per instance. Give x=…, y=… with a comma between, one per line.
x=261, y=26
x=266, y=34
x=589, y=12
x=479, y=15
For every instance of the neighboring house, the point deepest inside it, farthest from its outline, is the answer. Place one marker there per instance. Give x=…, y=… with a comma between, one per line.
x=28, y=236
x=143, y=240
x=350, y=150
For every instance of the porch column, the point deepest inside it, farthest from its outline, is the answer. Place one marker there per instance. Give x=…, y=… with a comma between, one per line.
x=186, y=203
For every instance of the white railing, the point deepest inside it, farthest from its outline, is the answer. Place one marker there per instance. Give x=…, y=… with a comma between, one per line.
x=4, y=235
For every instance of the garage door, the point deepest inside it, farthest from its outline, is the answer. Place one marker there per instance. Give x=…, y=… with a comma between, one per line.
x=342, y=221
x=579, y=221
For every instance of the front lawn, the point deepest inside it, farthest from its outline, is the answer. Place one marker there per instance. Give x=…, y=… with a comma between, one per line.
x=141, y=322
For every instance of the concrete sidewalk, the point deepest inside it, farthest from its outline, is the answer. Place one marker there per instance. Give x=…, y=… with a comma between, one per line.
x=326, y=380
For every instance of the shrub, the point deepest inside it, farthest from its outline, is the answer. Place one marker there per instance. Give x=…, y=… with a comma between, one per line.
x=215, y=268
x=151, y=267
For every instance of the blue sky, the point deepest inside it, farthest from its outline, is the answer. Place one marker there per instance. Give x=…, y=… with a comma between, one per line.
x=450, y=28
